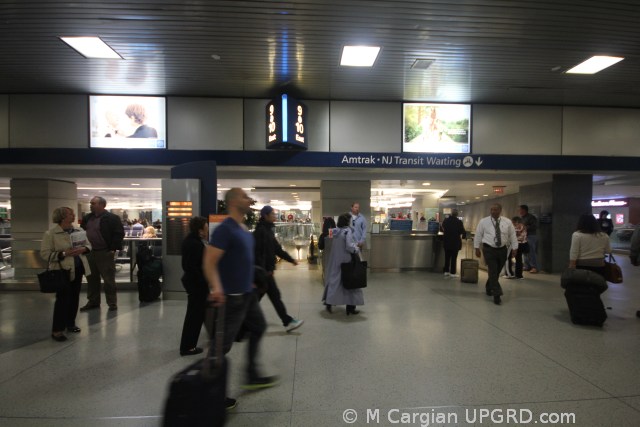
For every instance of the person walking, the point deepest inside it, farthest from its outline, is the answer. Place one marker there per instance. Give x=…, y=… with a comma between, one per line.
x=105, y=233
x=453, y=233
x=64, y=247
x=229, y=269
x=266, y=250
x=494, y=233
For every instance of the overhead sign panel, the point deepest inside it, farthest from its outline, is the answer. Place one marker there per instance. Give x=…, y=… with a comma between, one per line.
x=286, y=124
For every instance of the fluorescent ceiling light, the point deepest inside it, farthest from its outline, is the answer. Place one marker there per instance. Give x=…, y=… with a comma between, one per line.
x=359, y=56
x=594, y=64
x=91, y=47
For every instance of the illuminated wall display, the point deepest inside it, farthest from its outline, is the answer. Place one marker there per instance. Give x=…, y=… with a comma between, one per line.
x=286, y=121
x=609, y=203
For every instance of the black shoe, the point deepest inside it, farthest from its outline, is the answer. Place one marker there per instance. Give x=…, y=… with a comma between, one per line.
x=352, y=310
x=113, y=307
x=497, y=300
x=260, y=383
x=89, y=307
x=73, y=329
x=59, y=338
x=191, y=352
x=230, y=403
x=489, y=293
x=328, y=308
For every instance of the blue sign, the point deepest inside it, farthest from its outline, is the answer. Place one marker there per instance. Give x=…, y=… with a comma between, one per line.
x=419, y=161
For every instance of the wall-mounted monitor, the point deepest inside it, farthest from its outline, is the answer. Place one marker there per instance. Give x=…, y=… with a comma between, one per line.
x=436, y=128
x=127, y=122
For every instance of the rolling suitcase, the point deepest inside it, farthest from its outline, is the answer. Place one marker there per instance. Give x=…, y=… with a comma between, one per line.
x=197, y=393
x=582, y=292
x=469, y=268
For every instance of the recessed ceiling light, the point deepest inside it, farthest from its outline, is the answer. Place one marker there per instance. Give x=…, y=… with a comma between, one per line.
x=422, y=63
x=485, y=195
x=292, y=185
x=480, y=184
x=91, y=47
x=594, y=64
x=215, y=57
x=359, y=56
x=133, y=183
x=426, y=183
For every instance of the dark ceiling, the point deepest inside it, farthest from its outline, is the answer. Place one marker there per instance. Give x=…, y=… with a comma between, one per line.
x=485, y=51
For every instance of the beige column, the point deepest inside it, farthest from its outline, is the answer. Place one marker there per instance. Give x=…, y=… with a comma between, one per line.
x=32, y=202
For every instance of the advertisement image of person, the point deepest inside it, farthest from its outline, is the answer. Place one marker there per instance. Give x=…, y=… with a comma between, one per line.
x=137, y=115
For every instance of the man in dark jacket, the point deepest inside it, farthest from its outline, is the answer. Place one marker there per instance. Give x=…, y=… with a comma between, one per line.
x=105, y=233
x=266, y=249
x=453, y=233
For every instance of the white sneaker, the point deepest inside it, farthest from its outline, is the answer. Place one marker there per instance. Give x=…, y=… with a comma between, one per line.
x=446, y=274
x=454, y=275
x=294, y=324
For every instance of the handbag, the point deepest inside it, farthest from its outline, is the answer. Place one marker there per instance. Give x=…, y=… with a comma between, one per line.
x=354, y=273
x=52, y=281
x=612, y=271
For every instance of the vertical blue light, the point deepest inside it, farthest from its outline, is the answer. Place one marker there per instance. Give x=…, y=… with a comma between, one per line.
x=285, y=127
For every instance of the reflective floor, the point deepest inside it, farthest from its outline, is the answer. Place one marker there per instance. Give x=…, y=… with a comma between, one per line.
x=425, y=350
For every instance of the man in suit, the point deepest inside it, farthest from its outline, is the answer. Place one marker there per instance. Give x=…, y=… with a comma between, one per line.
x=494, y=234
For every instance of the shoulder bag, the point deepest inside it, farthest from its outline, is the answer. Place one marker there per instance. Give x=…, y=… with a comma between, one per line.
x=612, y=271
x=52, y=281
x=354, y=272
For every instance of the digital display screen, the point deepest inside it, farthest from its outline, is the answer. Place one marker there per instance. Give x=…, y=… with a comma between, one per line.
x=286, y=124
x=436, y=128
x=127, y=122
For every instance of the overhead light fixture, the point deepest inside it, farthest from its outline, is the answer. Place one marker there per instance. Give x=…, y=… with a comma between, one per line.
x=426, y=183
x=359, y=56
x=422, y=63
x=480, y=184
x=133, y=183
x=594, y=64
x=91, y=47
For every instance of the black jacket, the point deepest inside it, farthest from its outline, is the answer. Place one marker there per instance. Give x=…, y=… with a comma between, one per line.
x=110, y=228
x=267, y=247
x=453, y=233
x=193, y=278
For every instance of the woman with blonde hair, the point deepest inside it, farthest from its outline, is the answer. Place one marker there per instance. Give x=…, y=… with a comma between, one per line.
x=63, y=247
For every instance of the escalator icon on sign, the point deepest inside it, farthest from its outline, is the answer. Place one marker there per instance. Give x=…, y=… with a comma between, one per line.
x=467, y=162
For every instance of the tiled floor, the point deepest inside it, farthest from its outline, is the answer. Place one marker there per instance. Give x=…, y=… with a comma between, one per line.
x=424, y=347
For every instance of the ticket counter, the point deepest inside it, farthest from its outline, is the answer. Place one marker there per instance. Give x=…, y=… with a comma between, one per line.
x=402, y=250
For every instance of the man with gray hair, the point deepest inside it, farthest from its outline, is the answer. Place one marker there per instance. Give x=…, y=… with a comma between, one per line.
x=105, y=233
x=494, y=233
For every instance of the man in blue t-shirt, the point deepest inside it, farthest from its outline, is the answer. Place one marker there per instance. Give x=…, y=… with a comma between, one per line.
x=229, y=267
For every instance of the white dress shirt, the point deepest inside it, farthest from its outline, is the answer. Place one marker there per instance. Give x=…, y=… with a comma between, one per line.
x=486, y=233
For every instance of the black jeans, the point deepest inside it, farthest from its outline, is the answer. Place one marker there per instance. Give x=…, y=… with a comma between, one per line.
x=244, y=311
x=65, y=308
x=495, y=259
x=193, y=319
x=274, y=296
x=518, y=266
x=450, y=260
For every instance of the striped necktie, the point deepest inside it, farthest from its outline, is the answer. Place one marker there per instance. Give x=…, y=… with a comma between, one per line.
x=498, y=234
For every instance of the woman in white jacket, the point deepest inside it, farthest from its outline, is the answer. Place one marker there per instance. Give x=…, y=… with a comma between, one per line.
x=63, y=247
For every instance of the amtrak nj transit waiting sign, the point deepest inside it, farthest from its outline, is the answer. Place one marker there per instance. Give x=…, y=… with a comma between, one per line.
x=286, y=121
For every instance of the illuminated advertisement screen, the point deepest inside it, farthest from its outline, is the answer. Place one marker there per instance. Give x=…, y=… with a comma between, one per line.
x=436, y=128
x=127, y=122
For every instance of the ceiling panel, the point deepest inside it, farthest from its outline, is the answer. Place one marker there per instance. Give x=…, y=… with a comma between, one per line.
x=485, y=51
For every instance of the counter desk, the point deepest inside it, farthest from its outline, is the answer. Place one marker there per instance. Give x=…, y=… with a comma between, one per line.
x=403, y=250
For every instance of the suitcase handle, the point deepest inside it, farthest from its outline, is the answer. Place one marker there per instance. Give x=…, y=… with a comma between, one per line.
x=216, y=326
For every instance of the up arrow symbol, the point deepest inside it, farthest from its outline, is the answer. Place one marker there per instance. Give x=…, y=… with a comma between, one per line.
x=479, y=161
